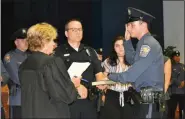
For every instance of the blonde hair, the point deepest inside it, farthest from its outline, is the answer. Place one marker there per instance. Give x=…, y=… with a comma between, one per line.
x=39, y=34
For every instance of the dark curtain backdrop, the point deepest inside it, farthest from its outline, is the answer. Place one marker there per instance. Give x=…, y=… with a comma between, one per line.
x=102, y=19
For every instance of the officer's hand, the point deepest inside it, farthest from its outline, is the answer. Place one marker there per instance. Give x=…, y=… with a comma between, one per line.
x=127, y=32
x=181, y=84
x=82, y=91
x=76, y=81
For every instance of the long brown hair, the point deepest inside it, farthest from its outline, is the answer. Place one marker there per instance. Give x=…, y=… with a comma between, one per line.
x=113, y=55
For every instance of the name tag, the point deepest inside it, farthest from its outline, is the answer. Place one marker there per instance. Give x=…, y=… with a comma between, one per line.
x=19, y=62
x=65, y=55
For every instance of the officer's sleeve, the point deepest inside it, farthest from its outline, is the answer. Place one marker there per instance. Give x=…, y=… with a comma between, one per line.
x=181, y=76
x=12, y=68
x=4, y=75
x=139, y=67
x=182, y=72
x=177, y=77
x=175, y=81
x=129, y=51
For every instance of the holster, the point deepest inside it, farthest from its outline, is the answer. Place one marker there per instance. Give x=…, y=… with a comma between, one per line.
x=133, y=97
x=92, y=91
x=149, y=96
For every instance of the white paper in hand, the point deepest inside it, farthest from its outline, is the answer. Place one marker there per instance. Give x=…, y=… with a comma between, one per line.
x=77, y=68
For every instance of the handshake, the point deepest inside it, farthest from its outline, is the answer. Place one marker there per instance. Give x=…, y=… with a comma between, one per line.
x=84, y=87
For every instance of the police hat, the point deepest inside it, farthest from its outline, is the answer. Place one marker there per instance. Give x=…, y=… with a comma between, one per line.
x=19, y=34
x=136, y=15
x=176, y=53
x=99, y=51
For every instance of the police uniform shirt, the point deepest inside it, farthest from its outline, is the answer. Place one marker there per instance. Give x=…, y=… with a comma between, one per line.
x=84, y=54
x=148, y=64
x=12, y=61
x=177, y=77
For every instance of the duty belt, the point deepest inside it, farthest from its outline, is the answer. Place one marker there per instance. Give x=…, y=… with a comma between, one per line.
x=150, y=96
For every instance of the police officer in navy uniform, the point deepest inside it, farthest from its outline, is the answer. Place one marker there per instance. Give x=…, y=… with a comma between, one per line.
x=177, y=87
x=75, y=51
x=12, y=61
x=147, y=70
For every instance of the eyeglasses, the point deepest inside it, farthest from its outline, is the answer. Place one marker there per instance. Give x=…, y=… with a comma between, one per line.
x=75, y=29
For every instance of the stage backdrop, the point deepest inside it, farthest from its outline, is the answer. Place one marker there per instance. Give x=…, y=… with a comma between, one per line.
x=174, y=25
x=103, y=20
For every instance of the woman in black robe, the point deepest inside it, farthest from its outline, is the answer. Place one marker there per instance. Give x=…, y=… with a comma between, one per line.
x=46, y=87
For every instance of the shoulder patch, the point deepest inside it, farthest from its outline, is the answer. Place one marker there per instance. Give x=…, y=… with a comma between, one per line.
x=7, y=58
x=145, y=49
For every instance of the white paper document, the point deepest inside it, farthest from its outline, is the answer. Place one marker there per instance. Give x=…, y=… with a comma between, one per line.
x=77, y=68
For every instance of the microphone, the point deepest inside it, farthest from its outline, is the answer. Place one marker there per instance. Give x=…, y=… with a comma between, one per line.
x=88, y=53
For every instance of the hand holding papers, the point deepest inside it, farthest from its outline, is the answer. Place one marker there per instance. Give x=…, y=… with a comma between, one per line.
x=75, y=72
x=77, y=68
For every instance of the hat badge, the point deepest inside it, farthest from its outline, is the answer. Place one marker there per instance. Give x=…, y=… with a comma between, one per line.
x=141, y=18
x=129, y=12
x=24, y=31
x=101, y=49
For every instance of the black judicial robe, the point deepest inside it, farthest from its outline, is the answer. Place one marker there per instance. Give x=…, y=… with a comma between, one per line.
x=46, y=88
